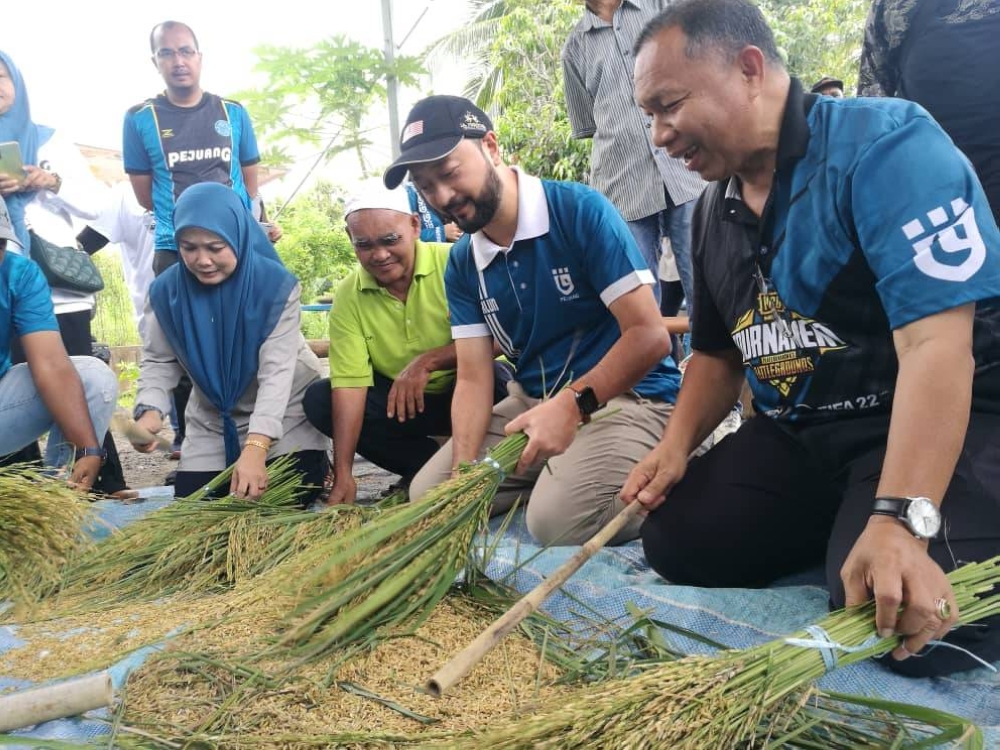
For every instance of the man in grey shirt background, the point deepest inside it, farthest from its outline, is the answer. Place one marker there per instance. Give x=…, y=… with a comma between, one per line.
x=654, y=193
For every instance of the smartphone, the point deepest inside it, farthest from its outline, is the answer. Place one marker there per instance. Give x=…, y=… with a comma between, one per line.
x=10, y=160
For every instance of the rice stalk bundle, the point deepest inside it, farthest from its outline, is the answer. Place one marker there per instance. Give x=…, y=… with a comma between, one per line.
x=827, y=722
x=41, y=527
x=736, y=699
x=391, y=572
x=187, y=698
x=188, y=547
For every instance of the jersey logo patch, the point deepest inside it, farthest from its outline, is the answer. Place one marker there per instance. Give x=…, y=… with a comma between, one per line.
x=957, y=237
x=223, y=128
x=167, y=133
x=781, y=346
x=564, y=282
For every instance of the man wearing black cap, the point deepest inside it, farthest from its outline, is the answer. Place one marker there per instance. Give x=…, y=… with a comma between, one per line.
x=551, y=273
x=828, y=86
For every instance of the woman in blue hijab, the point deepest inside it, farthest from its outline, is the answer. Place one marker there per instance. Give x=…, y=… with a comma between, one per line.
x=227, y=315
x=16, y=125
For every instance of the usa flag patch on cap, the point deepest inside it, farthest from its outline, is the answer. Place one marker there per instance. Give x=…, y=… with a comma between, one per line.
x=413, y=129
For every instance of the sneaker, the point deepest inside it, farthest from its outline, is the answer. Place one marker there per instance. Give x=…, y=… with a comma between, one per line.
x=169, y=479
x=175, y=452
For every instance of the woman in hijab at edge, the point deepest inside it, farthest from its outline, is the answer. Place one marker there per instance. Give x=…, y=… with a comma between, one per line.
x=228, y=316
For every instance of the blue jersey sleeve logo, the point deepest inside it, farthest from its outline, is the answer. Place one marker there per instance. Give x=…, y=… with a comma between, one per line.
x=953, y=236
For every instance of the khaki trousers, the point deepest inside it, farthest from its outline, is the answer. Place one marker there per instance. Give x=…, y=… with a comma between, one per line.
x=575, y=494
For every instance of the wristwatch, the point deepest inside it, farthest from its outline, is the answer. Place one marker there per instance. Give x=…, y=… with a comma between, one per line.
x=918, y=514
x=141, y=409
x=98, y=451
x=586, y=402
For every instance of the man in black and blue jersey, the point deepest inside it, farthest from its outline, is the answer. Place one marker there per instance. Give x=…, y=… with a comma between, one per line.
x=846, y=262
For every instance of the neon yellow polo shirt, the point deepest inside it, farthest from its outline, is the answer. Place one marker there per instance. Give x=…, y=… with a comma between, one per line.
x=370, y=330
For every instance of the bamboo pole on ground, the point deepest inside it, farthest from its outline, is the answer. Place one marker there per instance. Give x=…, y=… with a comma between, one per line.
x=70, y=698
x=463, y=662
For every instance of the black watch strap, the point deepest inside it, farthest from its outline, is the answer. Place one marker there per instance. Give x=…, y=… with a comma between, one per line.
x=890, y=506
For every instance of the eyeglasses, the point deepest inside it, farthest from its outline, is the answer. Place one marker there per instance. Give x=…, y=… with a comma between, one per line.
x=390, y=240
x=185, y=53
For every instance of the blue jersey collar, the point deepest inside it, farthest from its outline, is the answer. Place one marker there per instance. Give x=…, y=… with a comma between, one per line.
x=532, y=220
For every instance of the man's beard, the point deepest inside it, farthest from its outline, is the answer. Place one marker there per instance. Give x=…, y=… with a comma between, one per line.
x=487, y=203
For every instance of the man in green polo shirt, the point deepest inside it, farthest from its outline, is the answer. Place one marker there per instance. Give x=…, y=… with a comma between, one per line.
x=392, y=360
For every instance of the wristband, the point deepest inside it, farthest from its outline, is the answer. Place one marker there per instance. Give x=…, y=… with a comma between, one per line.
x=257, y=444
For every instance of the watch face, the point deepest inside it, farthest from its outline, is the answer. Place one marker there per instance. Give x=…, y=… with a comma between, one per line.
x=586, y=400
x=924, y=517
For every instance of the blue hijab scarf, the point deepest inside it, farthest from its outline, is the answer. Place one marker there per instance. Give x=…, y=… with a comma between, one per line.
x=16, y=125
x=216, y=331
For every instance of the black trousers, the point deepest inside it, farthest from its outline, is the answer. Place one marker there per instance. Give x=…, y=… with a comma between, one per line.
x=311, y=465
x=400, y=447
x=767, y=502
x=74, y=329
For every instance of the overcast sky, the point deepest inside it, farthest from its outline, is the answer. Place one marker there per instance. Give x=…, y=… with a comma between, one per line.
x=85, y=63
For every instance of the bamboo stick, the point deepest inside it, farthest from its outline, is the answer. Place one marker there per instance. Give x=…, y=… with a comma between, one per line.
x=58, y=701
x=463, y=662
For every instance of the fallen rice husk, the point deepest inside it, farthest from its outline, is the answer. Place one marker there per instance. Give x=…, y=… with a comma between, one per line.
x=721, y=701
x=80, y=643
x=180, y=697
x=41, y=527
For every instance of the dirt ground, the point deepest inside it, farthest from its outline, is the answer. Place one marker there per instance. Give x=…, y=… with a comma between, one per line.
x=143, y=469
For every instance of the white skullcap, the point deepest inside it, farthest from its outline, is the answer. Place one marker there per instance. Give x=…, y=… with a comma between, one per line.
x=375, y=195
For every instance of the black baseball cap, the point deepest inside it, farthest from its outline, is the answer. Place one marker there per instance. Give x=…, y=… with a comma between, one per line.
x=434, y=128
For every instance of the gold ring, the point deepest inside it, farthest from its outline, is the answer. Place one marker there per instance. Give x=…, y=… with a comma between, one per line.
x=943, y=608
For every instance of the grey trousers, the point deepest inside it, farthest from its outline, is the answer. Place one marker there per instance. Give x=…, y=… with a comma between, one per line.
x=574, y=494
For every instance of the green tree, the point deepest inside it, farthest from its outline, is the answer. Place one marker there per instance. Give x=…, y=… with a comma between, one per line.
x=322, y=94
x=819, y=37
x=516, y=75
x=512, y=48
x=314, y=245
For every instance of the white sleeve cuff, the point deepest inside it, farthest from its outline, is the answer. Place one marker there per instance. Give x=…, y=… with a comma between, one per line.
x=474, y=331
x=626, y=284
